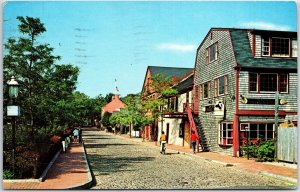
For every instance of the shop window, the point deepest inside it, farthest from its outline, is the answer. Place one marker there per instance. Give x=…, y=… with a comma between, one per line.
x=260, y=131
x=226, y=134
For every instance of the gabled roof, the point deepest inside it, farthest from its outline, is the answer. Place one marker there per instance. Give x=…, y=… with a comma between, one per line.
x=185, y=84
x=169, y=71
x=243, y=52
x=176, y=72
x=114, y=106
x=244, y=57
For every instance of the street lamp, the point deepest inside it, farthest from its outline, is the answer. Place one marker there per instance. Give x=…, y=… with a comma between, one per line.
x=13, y=110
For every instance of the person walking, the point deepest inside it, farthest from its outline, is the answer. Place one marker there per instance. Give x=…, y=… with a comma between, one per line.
x=193, y=140
x=80, y=135
x=75, y=135
x=162, y=140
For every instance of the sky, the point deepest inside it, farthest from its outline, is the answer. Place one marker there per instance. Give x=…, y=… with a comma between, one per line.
x=114, y=42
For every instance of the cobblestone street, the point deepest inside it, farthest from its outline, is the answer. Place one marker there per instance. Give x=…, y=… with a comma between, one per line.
x=120, y=163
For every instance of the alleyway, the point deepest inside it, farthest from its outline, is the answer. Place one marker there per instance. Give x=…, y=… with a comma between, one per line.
x=120, y=163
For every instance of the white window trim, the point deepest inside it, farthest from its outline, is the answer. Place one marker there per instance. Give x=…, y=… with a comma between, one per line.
x=227, y=135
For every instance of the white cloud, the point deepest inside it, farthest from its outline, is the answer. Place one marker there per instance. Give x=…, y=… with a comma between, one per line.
x=264, y=25
x=177, y=47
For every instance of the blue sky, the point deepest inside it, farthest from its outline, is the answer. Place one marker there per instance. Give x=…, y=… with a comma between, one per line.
x=118, y=40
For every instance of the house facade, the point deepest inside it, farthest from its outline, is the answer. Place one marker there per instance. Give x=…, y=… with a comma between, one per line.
x=237, y=75
x=176, y=124
x=150, y=132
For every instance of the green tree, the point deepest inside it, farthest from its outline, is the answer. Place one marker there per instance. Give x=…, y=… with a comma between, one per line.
x=162, y=86
x=43, y=83
x=133, y=114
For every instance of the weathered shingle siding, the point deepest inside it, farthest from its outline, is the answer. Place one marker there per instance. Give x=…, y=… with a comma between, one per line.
x=208, y=72
x=250, y=37
x=291, y=97
x=257, y=46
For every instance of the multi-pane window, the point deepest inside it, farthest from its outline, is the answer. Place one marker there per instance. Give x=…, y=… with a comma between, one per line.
x=265, y=46
x=220, y=85
x=283, y=83
x=279, y=47
x=268, y=82
x=253, y=82
x=212, y=53
x=173, y=104
x=205, y=90
x=226, y=134
x=258, y=131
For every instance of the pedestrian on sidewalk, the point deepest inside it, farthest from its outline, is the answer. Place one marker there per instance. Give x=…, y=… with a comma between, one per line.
x=162, y=141
x=80, y=135
x=75, y=135
x=194, y=139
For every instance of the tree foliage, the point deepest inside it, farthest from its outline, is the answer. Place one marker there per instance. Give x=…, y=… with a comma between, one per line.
x=162, y=86
x=44, y=85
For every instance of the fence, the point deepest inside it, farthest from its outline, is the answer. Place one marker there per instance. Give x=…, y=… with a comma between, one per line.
x=287, y=144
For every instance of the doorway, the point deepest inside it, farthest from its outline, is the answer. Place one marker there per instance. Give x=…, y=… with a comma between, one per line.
x=167, y=132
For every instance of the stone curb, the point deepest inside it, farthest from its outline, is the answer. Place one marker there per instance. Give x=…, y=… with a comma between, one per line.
x=90, y=182
x=280, y=177
x=44, y=174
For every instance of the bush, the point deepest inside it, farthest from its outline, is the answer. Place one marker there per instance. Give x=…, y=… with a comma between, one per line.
x=7, y=174
x=266, y=151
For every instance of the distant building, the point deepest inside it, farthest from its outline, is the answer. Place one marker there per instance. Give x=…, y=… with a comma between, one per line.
x=114, y=106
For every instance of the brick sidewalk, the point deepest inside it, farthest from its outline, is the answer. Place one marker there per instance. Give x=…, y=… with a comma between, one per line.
x=70, y=171
x=274, y=169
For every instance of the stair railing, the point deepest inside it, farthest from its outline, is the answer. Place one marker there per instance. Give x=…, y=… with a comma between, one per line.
x=192, y=123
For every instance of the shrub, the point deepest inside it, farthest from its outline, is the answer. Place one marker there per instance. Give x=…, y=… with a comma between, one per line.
x=266, y=151
x=7, y=174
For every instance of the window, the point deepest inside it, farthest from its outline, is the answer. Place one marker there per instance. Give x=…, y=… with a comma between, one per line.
x=173, y=104
x=212, y=53
x=206, y=90
x=268, y=82
x=262, y=131
x=226, y=134
x=253, y=82
x=265, y=46
x=294, y=48
x=220, y=85
x=278, y=47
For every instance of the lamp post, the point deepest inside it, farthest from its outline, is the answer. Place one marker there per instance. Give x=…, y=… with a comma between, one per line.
x=13, y=110
x=247, y=135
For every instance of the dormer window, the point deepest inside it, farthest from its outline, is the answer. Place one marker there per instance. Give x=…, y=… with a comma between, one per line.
x=278, y=47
